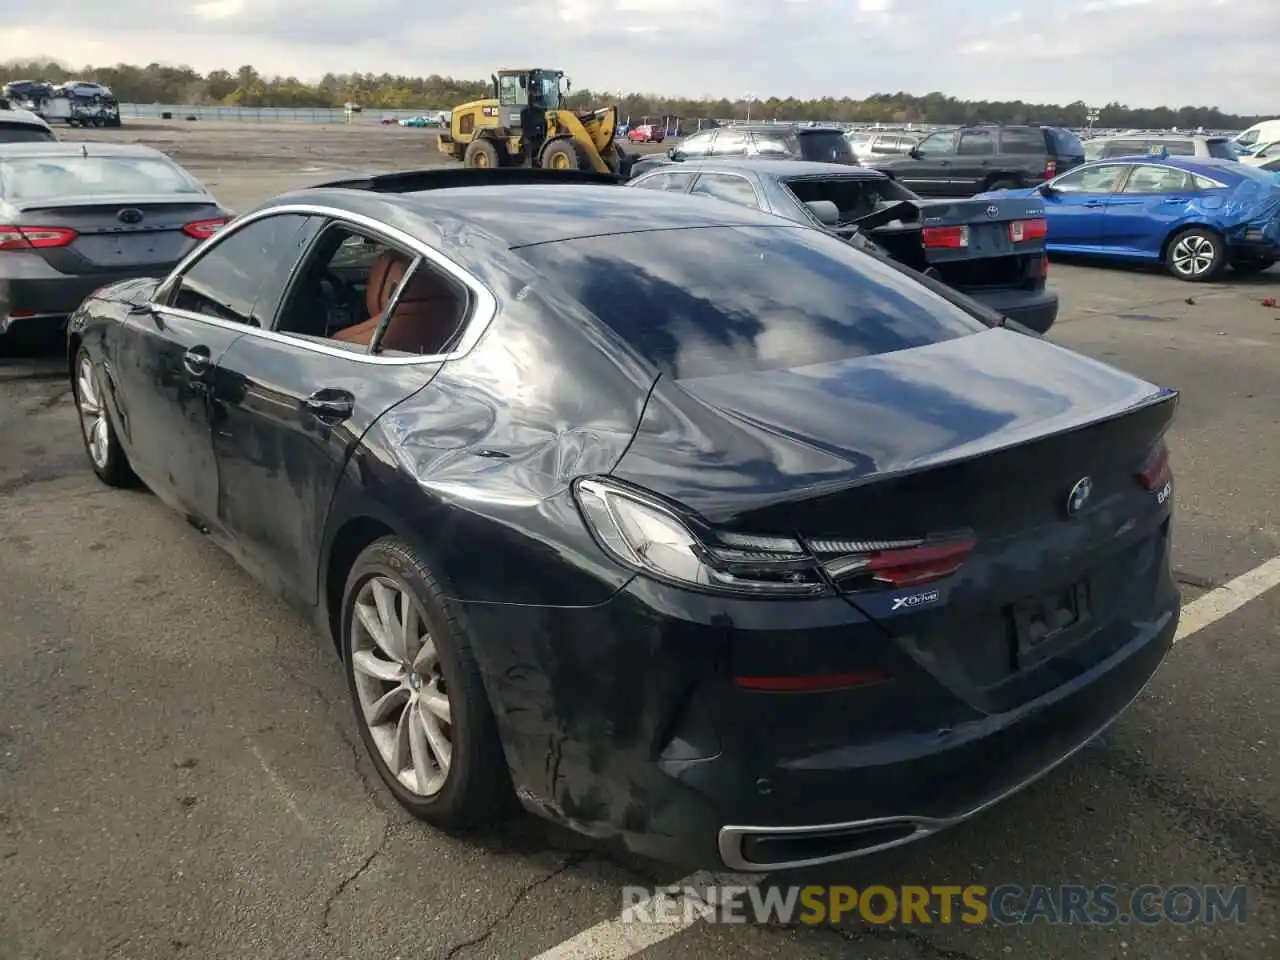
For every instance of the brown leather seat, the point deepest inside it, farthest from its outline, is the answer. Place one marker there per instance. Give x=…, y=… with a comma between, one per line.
x=425, y=316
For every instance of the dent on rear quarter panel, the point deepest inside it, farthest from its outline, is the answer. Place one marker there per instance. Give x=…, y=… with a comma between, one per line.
x=484, y=456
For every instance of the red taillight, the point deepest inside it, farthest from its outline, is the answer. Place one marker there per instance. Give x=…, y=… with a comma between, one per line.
x=1020, y=231
x=945, y=238
x=811, y=684
x=204, y=229
x=1044, y=266
x=1050, y=168
x=1157, y=471
x=35, y=238
x=904, y=566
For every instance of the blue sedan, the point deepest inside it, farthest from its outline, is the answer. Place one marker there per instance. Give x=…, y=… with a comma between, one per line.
x=1197, y=216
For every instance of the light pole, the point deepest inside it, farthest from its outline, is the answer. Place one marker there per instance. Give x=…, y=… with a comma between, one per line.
x=1093, y=115
x=748, y=99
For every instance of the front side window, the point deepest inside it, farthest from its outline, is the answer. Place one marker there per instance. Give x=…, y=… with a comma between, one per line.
x=670, y=182
x=723, y=186
x=939, y=144
x=730, y=143
x=232, y=275
x=699, y=145
x=779, y=297
x=1101, y=179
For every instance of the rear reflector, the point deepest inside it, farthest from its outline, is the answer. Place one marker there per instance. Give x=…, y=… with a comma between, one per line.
x=814, y=684
x=35, y=238
x=1044, y=266
x=1157, y=471
x=945, y=238
x=204, y=229
x=1020, y=231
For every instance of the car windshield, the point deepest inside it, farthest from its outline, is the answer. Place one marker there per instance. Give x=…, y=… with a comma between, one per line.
x=78, y=177
x=778, y=298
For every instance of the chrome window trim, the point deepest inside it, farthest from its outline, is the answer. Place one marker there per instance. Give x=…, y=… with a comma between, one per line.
x=484, y=306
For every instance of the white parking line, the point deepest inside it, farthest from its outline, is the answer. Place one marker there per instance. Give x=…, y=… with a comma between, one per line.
x=1228, y=598
x=620, y=937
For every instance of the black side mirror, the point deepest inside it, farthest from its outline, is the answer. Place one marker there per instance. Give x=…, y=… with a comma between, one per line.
x=673, y=153
x=915, y=154
x=1048, y=190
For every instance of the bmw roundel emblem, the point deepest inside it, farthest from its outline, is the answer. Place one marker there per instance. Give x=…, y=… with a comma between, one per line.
x=1079, y=495
x=992, y=212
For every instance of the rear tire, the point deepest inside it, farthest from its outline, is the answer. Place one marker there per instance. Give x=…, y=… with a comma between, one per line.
x=1253, y=266
x=563, y=155
x=1196, y=255
x=106, y=455
x=481, y=155
x=430, y=696
x=1003, y=183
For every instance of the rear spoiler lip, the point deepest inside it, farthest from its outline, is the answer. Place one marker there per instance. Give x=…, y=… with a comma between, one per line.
x=441, y=178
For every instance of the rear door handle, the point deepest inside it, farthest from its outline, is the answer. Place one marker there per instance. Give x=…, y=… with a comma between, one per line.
x=197, y=361
x=1095, y=203
x=330, y=406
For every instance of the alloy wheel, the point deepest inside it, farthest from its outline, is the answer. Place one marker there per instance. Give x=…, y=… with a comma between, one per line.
x=402, y=692
x=1193, y=255
x=93, y=416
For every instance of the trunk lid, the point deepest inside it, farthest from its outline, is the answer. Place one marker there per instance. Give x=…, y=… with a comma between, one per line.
x=983, y=438
x=118, y=234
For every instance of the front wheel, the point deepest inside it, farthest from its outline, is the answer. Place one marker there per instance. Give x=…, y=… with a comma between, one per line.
x=1253, y=266
x=481, y=155
x=563, y=155
x=1196, y=255
x=421, y=707
x=106, y=455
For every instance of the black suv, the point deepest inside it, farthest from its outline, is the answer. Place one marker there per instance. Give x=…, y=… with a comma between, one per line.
x=771, y=141
x=969, y=160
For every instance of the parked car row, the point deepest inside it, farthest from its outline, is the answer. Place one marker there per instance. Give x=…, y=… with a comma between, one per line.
x=649, y=484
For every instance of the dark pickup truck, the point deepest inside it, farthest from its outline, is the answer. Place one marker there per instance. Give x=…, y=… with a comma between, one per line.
x=991, y=251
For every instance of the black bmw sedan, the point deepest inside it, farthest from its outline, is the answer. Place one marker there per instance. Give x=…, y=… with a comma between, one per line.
x=682, y=524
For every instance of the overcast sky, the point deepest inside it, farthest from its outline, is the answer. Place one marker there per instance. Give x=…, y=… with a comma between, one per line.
x=1140, y=52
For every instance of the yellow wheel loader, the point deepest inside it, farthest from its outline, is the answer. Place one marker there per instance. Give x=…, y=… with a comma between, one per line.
x=524, y=124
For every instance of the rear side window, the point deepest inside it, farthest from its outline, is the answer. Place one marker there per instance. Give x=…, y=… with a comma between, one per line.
x=1177, y=148
x=779, y=297
x=771, y=145
x=977, y=143
x=1022, y=142
x=24, y=133
x=671, y=182
x=825, y=146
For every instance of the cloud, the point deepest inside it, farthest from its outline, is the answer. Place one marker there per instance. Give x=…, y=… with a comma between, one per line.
x=1139, y=52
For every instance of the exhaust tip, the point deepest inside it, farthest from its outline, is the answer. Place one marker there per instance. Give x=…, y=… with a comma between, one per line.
x=753, y=849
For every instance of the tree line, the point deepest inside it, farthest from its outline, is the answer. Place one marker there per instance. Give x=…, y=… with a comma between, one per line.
x=160, y=83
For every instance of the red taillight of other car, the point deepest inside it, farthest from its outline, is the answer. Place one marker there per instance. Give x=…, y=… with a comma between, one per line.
x=1023, y=231
x=35, y=238
x=945, y=238
x=204, y=229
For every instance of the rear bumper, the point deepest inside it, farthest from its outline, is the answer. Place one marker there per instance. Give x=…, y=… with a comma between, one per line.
x=51, y=299
x=621, y=721
x=1037, y=309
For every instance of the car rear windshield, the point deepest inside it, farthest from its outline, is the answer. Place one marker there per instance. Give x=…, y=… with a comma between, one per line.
x=63, y=177
x=711, y=301
x=24, y=133
x=825, y=146
x=1065, y=143
x=1222, y=149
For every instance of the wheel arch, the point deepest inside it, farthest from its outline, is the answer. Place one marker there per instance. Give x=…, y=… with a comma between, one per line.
x=1182, y=228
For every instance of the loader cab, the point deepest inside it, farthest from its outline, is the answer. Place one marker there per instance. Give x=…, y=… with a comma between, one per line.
x=518, y=91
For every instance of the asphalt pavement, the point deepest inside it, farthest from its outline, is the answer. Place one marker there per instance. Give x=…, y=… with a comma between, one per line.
x=180, y=775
